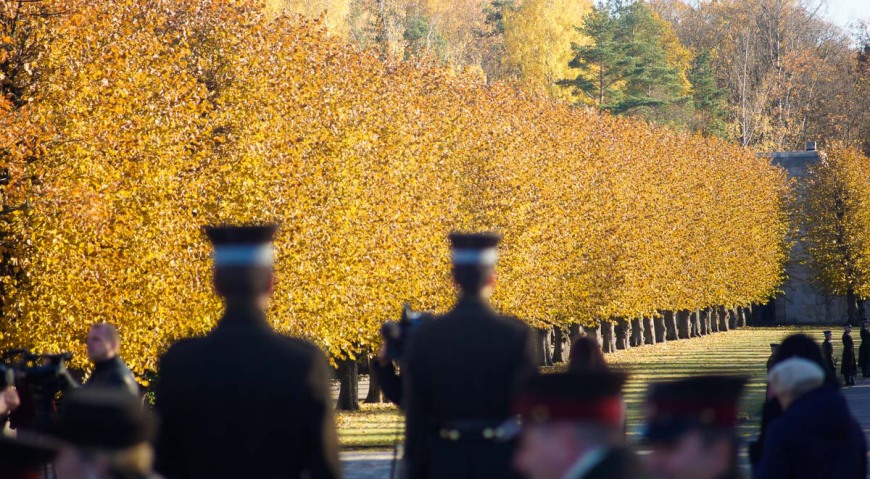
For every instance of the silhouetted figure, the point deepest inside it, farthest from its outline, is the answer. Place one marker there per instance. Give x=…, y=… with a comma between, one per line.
x=848, y=366
x=586, y=355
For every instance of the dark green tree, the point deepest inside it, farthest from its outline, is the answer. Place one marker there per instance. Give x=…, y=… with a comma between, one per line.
x=625, y=69
x=707, y=98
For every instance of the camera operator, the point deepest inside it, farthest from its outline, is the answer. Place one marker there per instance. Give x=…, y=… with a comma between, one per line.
x=396, y=336
x=104, y=344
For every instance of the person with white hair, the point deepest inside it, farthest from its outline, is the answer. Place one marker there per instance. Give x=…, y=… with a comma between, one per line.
x=816, y=436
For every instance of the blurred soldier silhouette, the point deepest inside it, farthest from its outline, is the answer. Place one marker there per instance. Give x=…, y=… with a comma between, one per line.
x=463, y=372
x=691, y=428
x=105, y=434
x=572, y=428
x=104, y=344
x=244, y=401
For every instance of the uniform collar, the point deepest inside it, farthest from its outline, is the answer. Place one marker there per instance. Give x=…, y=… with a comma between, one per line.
x=244, y=313
x=586, y=463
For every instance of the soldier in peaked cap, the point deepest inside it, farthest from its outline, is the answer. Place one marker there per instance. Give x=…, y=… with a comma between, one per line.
x=463, y=371
x=572, y=428
x=244, y=401
x=691, y=428
x=828, y=355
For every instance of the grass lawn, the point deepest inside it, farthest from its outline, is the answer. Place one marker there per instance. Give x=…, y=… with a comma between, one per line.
x=744, y=351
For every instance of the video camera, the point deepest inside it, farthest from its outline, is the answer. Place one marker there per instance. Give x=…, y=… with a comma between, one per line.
x=397, y=333
x=40, y=379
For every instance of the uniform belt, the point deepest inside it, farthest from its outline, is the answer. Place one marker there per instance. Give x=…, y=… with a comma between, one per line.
x=486, y=429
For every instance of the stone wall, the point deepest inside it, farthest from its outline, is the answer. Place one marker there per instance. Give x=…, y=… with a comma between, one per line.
x=801, y=301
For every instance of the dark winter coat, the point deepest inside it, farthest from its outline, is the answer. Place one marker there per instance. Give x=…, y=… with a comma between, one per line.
x=113, y=373
x=816, y=437
x=848, y=367
x=245, y=402
x=864, y=350
x=465, y=367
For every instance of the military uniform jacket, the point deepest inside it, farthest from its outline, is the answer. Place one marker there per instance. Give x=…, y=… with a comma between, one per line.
x=828, y=353
x=245, y=402
x=848, y=366
x=466, y=366
x=113, y=373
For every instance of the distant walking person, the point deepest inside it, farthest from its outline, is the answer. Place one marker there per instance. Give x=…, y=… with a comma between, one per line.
x=864, y=349
x=104, y=345
x=828, y=355
x=848, y=367
x=816, y=436
x=245, y=401
x=464, y=371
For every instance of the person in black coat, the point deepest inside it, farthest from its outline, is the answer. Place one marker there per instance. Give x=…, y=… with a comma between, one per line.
x=864, y=350
x=816, y=436
x=572, y=427
x=104, y=344
x=463, y=371
x=848, y=366
x=245, y=401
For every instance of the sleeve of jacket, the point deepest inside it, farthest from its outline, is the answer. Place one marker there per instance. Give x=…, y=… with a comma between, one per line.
x=324, y=438
x=167, y=460
x=418, y=411
x=775, y=457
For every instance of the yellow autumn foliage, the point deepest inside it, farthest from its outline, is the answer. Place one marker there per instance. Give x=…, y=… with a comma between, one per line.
x=156, y=117
x=835, y=221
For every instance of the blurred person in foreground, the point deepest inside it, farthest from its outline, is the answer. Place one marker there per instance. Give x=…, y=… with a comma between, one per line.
x=245, y=401
x=864, y=349
x=9, y=400
x=816, y=436
x=24, y=458
x=691, y=426
x=572, y=428
x=104, y=346
x=794, y=346
x=463, y=371
x=104, y=433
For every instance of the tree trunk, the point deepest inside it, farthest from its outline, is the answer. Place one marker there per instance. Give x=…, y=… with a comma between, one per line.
x=683, y=330
x=573, y=331
x=623, y=334
x=862, y=313
x=742, y=314
x=608, y=337
x=714, y=319
x=695, y=324
x=671, y=325
x=704, y=319
x=732, y=318
x=649, y=326
x=348, y=380
x=722, y=313
x=637, y=332
x=542, y=348
x=661, y=329
x=374, y=395
x=595, y=333
x=558, y=344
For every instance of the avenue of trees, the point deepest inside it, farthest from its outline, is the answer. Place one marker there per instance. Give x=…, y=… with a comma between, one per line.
x=127, y=125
